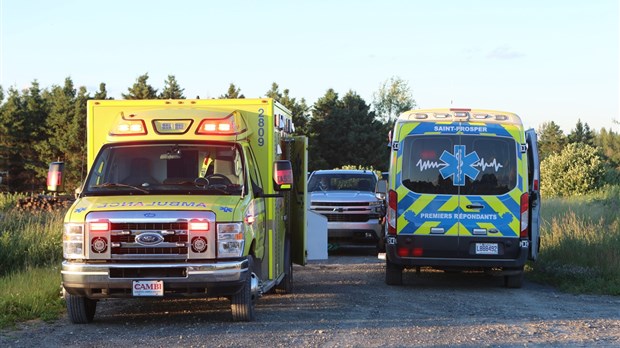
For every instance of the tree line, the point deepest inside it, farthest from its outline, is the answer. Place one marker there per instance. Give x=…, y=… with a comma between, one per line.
x=41, y=125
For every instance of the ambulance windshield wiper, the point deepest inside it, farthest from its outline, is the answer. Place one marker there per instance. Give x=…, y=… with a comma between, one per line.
x=115, y=185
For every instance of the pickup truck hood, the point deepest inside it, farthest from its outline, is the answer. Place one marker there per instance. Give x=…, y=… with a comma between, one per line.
x=223, y=206
x=343, y=196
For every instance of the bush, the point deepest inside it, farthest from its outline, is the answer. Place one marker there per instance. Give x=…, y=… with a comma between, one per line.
x=577, y=170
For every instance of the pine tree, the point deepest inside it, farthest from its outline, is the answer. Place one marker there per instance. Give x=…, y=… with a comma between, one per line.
x=581, y=134
x=172, y=90
x=232, y=93
x=551, y=139
x=141, y=89
x=101, y=94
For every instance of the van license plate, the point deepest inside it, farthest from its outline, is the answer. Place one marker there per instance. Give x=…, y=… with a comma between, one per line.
x=487, y=249
x=148, y=288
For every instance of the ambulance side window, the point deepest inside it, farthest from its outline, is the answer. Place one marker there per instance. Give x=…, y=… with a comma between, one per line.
x=254, y=175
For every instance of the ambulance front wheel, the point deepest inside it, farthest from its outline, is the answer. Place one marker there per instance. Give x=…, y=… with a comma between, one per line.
x=393, y=273
x=242, y=303
x=81, y=310
x=514, y=281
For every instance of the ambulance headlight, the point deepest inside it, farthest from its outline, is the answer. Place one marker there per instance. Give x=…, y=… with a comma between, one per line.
x=73, y=241
x=230, y=239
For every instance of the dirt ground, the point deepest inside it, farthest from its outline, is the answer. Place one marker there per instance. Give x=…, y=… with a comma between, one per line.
x=344, y=302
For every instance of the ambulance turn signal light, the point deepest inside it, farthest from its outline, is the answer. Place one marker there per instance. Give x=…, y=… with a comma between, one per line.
x=99, y=226
x=129, y=127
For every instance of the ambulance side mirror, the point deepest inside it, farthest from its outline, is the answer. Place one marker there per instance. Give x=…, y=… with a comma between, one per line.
x=54, y=176
x=282, y=175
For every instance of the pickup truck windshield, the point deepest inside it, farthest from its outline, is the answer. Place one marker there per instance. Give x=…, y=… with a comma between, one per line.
x=167, y=169
x=342, y=182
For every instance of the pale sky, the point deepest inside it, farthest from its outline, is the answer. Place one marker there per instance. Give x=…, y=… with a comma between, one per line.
x=544, y=60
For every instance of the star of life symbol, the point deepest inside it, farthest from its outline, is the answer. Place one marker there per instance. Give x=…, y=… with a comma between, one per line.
x=459, y=165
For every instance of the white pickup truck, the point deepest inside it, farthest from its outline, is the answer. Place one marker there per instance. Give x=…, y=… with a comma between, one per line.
x=354, y=210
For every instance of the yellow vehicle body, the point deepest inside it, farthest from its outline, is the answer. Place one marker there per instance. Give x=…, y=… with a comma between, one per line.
x=184, y=197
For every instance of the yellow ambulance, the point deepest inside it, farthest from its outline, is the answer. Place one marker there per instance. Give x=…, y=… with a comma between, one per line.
x=186, y=198
x=463, y=193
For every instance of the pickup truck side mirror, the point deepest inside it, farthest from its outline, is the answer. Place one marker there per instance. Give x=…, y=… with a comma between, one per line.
x=382, y=187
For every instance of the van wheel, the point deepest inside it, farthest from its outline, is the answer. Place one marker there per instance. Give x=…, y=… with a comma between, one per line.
x=393, y=273
x=81, y=310
x=242, y=303
x=286, y=285
x=514, y=281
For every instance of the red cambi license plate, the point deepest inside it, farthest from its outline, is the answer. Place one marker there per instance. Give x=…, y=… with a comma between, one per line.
x=148, y=288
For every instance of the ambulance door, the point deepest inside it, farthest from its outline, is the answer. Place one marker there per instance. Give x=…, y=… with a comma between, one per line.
x=427, y=195
x=298, y=225
x=488, y=182
x=533, y=178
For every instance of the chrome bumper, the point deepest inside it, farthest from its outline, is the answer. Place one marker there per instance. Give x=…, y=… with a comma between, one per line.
x=95, y=280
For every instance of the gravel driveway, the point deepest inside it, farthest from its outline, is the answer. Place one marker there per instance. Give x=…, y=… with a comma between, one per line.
x=344, y=302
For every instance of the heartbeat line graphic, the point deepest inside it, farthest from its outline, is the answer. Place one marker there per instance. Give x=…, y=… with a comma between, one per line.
x=484, y=165
x=429, y=165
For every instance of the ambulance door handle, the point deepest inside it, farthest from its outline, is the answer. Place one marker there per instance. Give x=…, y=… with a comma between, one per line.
x=474, y=206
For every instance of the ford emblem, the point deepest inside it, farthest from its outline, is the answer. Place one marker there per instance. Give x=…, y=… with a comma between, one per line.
x=149, y=215
x=149, y=238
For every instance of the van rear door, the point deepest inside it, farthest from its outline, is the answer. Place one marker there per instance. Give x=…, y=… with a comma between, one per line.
x=533, y=174
x=489, y=196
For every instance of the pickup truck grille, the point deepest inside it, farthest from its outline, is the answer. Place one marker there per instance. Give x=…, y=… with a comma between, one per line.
x=347, y=217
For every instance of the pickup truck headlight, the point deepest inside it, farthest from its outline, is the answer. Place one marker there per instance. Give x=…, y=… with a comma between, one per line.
x=73, y=241
x=376, y=207
x=230, y=239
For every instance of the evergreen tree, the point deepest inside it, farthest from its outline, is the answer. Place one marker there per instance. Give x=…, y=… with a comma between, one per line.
x=551, y=139
x=13, y=118
x=172, y=90
x=232, y=93
x=102, y=93
x=344, y=132
x=298, y=110
x=581, y=134
x=392, y=98
x=141, y=89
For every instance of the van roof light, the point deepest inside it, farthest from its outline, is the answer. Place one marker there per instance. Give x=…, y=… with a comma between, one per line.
x=482, y=116
x=420, y=116
x=501, y=117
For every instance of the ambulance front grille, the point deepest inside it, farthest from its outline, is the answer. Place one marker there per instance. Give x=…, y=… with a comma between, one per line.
x=123, y=239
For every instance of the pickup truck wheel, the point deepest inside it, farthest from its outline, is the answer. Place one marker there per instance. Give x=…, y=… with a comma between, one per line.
x=242, y=303
x=286, y=285
x=514, y=281
x=393, y=273
x=81, y=310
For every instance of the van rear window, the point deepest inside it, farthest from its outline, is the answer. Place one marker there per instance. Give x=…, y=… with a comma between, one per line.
x=453, y=164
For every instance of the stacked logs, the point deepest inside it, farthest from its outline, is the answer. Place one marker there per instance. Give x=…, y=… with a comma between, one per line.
x=44, y=203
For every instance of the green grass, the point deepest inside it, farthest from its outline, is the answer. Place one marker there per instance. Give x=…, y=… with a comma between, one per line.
x=30, y=257
x=30, y=294
x=580, y=247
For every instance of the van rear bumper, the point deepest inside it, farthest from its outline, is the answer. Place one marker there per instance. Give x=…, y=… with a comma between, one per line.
x=515, y=257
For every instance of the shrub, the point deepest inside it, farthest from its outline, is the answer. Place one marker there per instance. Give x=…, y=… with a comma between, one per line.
x=577, y=170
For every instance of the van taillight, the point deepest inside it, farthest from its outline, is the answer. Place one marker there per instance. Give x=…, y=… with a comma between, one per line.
x=525, y=214
x=391, y=212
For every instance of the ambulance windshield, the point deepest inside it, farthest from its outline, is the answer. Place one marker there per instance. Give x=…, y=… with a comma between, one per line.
x=167, y=169
x=459, y=164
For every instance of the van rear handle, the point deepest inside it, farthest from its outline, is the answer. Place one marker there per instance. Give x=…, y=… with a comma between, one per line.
x=474, y=206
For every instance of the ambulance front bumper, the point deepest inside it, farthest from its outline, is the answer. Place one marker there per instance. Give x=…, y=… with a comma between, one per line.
x=188, y=279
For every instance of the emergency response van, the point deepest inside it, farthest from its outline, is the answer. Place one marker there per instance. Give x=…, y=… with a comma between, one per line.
x=463, y=193
x=186, y=198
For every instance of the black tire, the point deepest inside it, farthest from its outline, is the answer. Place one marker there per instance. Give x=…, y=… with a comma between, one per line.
x=81, y=310
x=242, y=303
x=514, y=281
x=393, y=273
x=286, y=285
